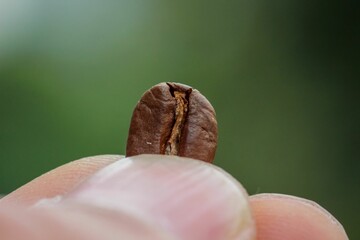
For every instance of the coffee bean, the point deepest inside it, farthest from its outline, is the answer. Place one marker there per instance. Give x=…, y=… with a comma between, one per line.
x=173, y=119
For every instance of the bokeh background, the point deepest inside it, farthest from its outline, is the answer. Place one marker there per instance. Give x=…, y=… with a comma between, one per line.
x=282, y=76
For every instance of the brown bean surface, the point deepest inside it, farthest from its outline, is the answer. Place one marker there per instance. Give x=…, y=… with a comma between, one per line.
x=173, y=119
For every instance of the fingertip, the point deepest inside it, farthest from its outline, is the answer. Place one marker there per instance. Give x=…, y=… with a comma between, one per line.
x=190, y=198
x=58, y=181
x=279, y=216
x=183, y=198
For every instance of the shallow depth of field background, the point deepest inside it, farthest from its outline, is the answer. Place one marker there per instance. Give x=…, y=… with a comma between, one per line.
x=280, y=74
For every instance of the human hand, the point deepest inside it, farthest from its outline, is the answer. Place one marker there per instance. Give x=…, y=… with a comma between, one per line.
x=155, y=197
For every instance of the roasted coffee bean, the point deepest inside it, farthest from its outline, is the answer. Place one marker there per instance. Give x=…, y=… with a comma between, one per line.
x=173, y=119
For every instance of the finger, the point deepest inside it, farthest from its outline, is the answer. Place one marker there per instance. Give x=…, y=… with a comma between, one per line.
x=73, y=222
x=286, y=217
x=178, y=197
x=58, y=181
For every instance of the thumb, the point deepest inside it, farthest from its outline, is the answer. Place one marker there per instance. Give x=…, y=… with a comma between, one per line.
x=152, y=197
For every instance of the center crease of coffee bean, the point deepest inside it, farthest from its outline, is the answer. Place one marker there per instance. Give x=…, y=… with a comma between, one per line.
x=172, y=144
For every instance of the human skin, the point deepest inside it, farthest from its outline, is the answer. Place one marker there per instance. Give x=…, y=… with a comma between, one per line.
x=155, y=197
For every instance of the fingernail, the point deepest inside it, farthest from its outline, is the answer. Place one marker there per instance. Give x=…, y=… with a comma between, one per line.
x=304, y=201
x=274, y=210
x=189, y=199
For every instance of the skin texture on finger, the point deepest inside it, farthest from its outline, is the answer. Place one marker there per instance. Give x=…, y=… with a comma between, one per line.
x=72, y=221
x=58, y=181
x=277, y=216
x=185, y=198
x=284, y=217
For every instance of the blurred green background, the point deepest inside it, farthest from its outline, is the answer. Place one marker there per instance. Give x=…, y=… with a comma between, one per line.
x=282, y=76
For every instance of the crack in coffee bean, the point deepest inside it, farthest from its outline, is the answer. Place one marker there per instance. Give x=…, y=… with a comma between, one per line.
x=173, y=119
x=172, y=145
